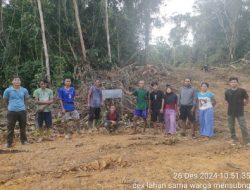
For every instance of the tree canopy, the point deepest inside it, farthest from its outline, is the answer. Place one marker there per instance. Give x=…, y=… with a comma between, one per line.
x=219, y=31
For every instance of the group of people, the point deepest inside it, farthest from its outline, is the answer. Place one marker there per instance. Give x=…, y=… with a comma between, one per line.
x=194, y=108
x=15, y=99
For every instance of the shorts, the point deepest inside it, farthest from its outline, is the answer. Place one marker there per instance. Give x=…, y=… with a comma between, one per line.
x=156, y=116
x=94, y=113
x=141, y=113
x=71, y=115
x=186, y=113
x=44, y=117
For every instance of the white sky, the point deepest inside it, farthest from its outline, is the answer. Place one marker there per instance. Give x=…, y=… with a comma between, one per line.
x=169, y=8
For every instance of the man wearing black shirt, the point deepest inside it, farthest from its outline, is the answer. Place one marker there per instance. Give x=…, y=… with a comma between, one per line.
x=237, y=98
x=155, y=104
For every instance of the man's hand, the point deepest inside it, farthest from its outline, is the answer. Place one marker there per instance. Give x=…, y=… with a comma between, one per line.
x=5, y=103
x=77, y=104
x=42, y=107
x=63, y=110
x=48, y=102
x=113, y=122
x=149, y=110
x=43, y=102
x=128, y=93
x=193, y=109
x=28, y=100
x=161, y=110
x=178, y=109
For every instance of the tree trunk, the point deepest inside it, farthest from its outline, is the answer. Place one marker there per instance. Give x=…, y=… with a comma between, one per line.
x=174, y=56
x=107, y=29
x=79, y=30
x=147, y=23
x=44, y=41
x=1, y=17
x=118, y=47
x=228, y=18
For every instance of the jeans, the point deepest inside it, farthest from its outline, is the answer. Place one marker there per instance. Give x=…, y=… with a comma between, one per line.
x=243, y=128
x=12, y=118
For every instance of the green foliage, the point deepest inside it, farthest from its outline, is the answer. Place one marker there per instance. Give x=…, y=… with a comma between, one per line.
x=130, y=25
x=21, y=48
x=220, y=29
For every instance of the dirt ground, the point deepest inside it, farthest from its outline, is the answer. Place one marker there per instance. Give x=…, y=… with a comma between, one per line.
x=99, y=161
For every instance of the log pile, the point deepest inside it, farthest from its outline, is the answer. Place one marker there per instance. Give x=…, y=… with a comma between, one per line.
x=125, y=78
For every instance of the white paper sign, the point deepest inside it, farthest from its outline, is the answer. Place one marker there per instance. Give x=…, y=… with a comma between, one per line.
x=111, y=93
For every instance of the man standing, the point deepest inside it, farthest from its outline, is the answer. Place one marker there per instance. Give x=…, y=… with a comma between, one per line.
x=142, y=102
x=187, y=105
x=43, y=98
x=94, y=103
x=155, y=105
x=67, y=96
x=237, y=98
x=15, y=98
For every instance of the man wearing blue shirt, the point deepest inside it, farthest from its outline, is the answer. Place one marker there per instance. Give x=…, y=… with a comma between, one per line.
x=15, y=98
x=67, y=96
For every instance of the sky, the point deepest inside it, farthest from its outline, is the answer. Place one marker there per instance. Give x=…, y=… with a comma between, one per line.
x=169, y=8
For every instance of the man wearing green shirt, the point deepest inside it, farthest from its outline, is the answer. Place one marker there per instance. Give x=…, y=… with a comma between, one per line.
x=44, y=98
x=142, y=102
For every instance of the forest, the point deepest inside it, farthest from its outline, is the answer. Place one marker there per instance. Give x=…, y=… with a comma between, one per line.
x=57, y=38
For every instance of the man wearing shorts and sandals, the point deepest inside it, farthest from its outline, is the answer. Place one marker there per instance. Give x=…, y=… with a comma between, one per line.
x=67, y=96
x=142, y=102
x=187, y=105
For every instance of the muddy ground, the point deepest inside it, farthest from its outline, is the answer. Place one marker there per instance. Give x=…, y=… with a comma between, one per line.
x=95, y=161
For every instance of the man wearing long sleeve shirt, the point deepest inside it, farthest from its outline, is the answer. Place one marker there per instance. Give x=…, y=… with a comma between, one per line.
x=111, y=119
